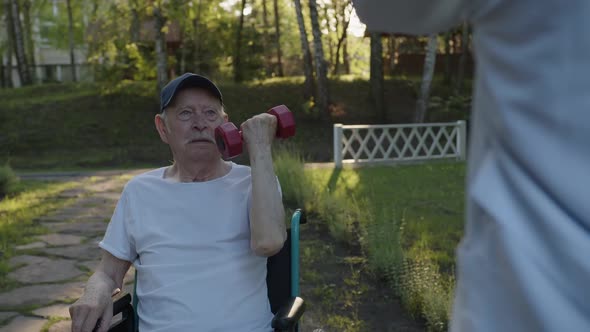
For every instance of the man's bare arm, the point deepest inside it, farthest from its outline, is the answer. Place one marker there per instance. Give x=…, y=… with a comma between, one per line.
x=267, y=213
x=96, y=304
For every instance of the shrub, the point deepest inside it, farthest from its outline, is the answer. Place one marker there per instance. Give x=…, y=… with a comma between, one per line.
x=7, y=180
x=289, y=168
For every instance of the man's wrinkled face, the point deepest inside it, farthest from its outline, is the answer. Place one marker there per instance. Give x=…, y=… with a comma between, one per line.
x=189, y=123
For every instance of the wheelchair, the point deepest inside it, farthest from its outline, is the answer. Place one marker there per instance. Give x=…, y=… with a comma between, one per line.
x=282, y=281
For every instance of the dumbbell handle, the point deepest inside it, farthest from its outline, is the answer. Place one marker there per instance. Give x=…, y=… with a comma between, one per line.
x=229, y=139
x=286, y=125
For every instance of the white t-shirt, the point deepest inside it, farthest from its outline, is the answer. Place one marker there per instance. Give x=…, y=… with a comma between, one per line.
x=524, y=261
x=190, y=244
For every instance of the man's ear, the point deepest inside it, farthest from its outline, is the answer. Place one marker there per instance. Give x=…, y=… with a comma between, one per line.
x=225, y=117
x=161, y=127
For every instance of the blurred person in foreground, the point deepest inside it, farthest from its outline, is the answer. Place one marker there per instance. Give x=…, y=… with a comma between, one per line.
x=524, y=261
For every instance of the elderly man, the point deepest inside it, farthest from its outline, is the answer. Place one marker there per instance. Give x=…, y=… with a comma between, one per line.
x=199, y=231
x=523, y=262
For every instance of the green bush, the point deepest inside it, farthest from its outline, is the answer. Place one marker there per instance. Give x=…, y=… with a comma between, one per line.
x=449, y=107
x=423, y=290
x=7, y=180
x=384, y=245
x=338, y=213
x=289, y=168
x=437, y=304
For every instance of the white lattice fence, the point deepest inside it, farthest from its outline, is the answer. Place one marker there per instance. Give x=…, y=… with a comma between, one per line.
x=386, y=143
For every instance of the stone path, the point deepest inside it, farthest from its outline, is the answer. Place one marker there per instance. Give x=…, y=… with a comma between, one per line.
x=51, y=272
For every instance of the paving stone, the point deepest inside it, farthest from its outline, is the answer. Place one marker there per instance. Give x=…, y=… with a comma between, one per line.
x=81, y=218
x=90, y=265
x=129, y=276
x=24, y=324
x=97, y=201
x=26, y=259
x=76, y=213
x=5, y=315
x=56, y=310
x=96, y=240
x=82, y=210
x=34, y=245
x=60, y=239
x=106, y=186
x=89, y=228
x=72, y=193
x=112, y=196
x=41, y=294
x=46, y=270
x=61, y=326
x=86, y=251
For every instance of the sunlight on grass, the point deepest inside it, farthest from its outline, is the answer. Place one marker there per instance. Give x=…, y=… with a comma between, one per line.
x=18, y=212
x=427, y=198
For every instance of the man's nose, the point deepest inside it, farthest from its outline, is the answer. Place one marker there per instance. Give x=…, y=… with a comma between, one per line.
x=199, y=122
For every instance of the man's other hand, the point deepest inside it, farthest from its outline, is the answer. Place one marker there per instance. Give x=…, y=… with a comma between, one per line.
x=90, y=309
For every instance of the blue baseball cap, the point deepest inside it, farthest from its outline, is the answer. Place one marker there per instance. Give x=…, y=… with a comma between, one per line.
x=187, y=80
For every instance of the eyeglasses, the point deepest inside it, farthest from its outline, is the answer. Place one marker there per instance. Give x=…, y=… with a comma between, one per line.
x=186, y=114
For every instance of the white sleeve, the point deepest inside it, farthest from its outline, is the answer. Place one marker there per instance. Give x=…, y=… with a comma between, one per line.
x=117, y=240
x=418, y=17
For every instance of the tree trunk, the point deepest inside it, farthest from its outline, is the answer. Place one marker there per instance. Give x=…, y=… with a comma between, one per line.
x=161, y=54
x=238, y=76
x=9, y=46
x=323, y=93
x=197, y=44
x=2, y=74
x=391, y=52
x=278, y=39
x=29, y=45
x=342, y=37
x=376, y=79
x=328, y=38
x=92, y=45
x=429, y=63
x=19, y=45
x=267, y=42
x=182, y=52
x=71, y=38
x=345, y=59
x=135, y=26
x=462, y=59
x=307, y=63
x=448, y=58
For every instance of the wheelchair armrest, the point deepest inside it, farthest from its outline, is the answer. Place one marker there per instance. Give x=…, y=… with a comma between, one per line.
x=124, y=302
x=124, y=307
x=289, y=314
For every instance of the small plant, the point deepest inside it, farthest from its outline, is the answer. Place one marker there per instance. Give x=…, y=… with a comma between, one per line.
x=384, y=235
x=295, y=186
x=449, y=108
x=7, y=180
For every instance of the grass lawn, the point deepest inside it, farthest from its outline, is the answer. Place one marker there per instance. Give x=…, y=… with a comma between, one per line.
x=97, y=125
x=427, y=198
x=406, y=220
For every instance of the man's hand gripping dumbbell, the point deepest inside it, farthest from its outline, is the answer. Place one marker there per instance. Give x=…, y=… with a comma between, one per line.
x=277, y=122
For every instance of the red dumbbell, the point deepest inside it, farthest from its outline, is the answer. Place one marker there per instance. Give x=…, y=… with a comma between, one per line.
x=229, y=138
